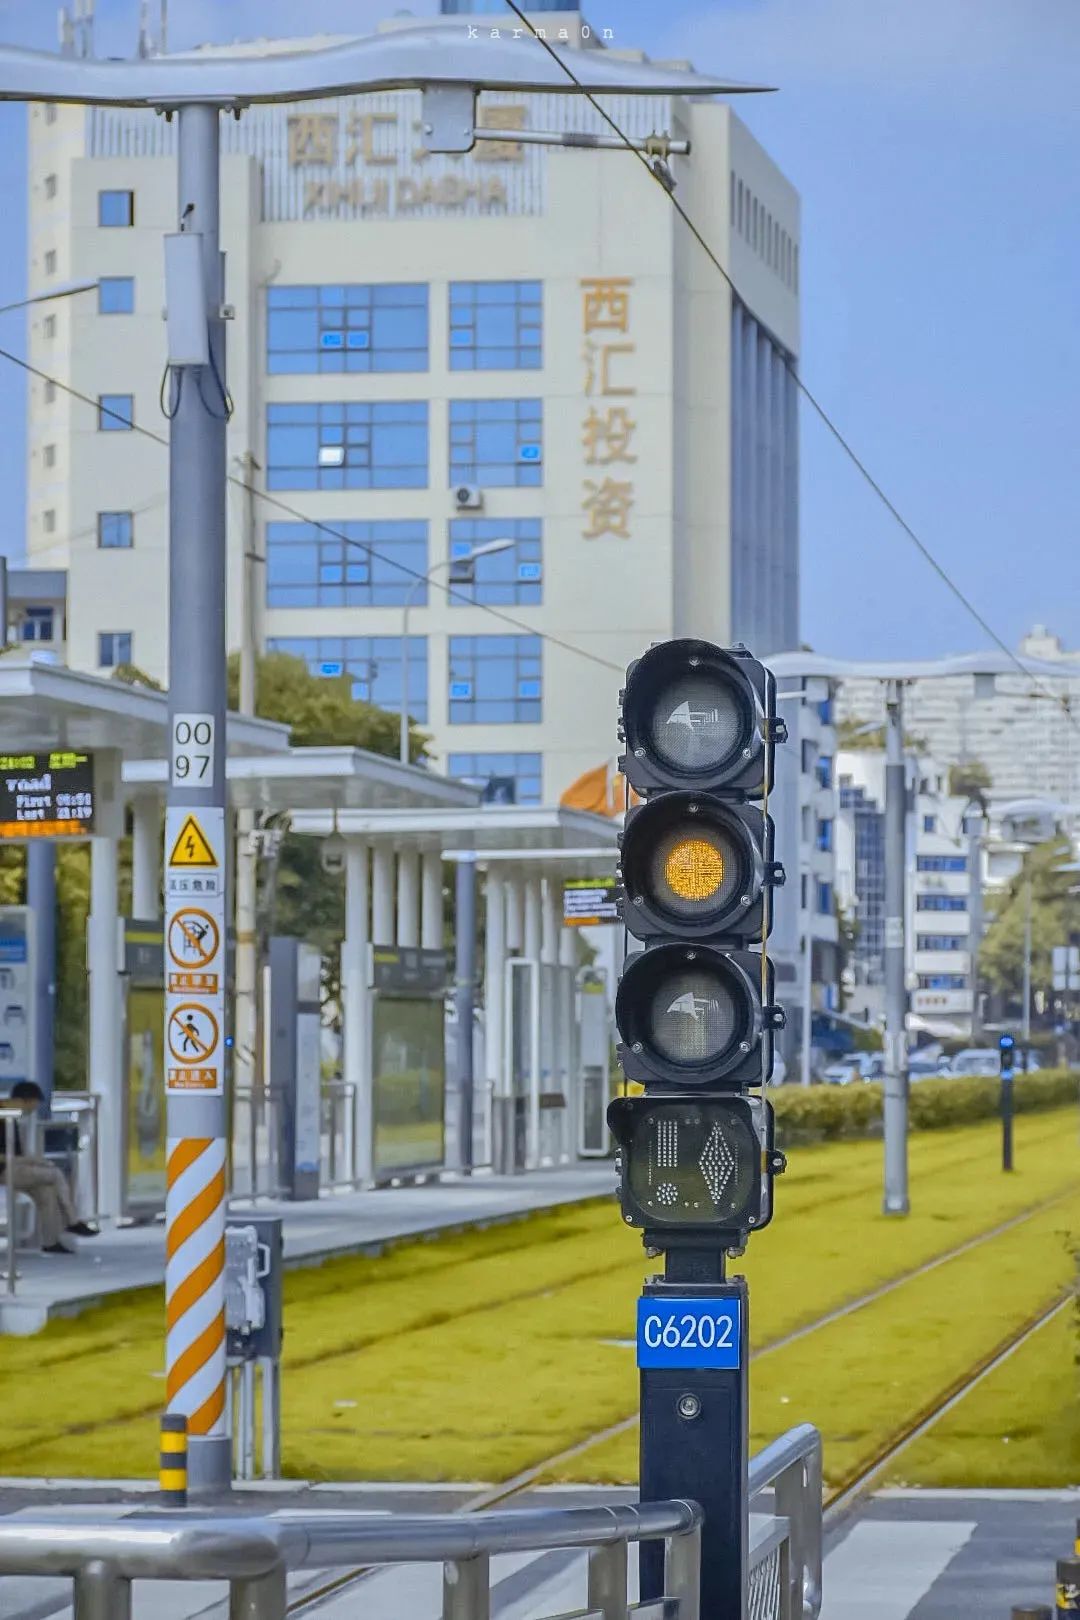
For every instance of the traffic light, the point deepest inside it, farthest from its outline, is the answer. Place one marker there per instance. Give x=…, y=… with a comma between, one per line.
x=1007, y=1053
x=695, y=1006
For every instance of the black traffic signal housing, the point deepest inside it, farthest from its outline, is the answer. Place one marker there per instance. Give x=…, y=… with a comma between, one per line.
x=1007, y=1053
x=695, y=1008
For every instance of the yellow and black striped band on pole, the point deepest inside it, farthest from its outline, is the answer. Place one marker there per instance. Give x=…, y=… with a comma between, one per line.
x=172, y=1476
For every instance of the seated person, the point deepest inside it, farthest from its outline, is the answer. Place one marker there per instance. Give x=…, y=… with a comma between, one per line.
x=45, y=1183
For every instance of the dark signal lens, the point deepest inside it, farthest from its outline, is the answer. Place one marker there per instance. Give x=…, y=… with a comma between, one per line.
x=694, y=1018
x=694, y=1163
x=697, y=723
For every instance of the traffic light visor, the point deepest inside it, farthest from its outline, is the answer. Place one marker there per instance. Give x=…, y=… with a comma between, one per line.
x=691, y=1014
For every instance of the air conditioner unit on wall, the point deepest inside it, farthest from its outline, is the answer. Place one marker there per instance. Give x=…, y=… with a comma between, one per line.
x=468, y=498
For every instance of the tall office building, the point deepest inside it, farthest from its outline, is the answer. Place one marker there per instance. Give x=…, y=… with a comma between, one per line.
x=429, y=354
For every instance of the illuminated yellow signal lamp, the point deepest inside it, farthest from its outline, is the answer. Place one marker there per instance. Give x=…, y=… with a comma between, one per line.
x=693, y=866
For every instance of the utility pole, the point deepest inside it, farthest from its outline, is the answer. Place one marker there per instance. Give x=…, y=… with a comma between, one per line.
x=975, y=914
x=896, y=1078
x=1025, y=1024
x=805, y=1029
x=195, y=865
x=246, y=1021
x=464, y=998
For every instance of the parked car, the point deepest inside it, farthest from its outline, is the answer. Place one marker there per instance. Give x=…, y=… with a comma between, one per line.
x=846, y=1073
x=975, y=1060
x=924, y=1069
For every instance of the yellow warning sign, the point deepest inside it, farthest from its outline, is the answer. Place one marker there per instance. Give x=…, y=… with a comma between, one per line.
x=192, y=847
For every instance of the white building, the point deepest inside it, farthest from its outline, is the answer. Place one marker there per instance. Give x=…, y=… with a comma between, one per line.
x=430, y=353
x=1012, y=723
x=944, y=887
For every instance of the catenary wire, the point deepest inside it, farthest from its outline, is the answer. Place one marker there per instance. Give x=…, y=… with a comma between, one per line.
x=810, y=397
x=317, y=523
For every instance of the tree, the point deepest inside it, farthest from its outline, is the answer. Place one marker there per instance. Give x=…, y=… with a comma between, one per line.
x=970, y=779
x=1053, y=913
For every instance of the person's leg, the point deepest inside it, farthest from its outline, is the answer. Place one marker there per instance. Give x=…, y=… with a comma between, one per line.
x=39, y=1181
x=59, y=1182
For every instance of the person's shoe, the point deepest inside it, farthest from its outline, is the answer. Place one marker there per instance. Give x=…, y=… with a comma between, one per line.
x=84, y=1229
x=56, y=1248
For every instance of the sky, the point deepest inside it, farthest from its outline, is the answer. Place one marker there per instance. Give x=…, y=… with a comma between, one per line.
x=934, y=144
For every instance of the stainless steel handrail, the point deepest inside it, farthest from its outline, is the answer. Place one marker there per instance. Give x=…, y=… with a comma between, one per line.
x=791, y=1468
x=77, y=1106
x=262, y=1105
x=340, y=1096
x=253, y=1555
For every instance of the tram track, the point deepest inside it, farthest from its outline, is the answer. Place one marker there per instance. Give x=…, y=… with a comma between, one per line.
x=843, y=1496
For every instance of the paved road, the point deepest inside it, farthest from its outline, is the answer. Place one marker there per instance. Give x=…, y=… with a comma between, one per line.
x=923, y=1555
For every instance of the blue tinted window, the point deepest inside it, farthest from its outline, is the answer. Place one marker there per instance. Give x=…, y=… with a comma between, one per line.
x=348, y=446
x=116, y=295
x=942, y=981
x=941, y=863
x=347, y=329
x=345, y=564
x=116, y=412
x=513, y=575
x=496, y=442
x=941, y=942
x=372, y=663
x=496, y=326
x=824, y=835
x=824, y=771
x=824, y=898
x=116, y=530
x=929, y=823
x=495, y=680
x=493, y=773
x=114, y=647
x=116, y=208
x=940, y=902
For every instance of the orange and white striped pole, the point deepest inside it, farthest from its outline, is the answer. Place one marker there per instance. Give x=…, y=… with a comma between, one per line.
x=195, y=842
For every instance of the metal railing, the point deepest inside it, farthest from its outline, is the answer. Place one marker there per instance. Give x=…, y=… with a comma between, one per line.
x=786, y=1546
x=83, y=1109
x=9, y=1120
x=256, y=1134
x=339, y=1168
x=255, y=1555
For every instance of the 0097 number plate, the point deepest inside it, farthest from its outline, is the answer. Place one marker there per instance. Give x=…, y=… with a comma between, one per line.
x=688, y=1333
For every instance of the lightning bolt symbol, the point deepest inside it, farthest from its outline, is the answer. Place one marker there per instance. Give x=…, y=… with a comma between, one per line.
x=189, y=846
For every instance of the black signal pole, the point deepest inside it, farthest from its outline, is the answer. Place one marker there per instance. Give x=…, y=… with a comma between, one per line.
x=1007, y=1049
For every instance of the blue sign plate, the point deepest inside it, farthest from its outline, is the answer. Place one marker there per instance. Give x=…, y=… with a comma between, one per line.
x=688, y=1333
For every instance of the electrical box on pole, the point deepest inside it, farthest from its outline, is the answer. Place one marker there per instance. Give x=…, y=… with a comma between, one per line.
x=696, y=1015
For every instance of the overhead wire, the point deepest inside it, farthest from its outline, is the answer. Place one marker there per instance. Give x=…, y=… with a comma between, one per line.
x=659, y=179
x=300, y=516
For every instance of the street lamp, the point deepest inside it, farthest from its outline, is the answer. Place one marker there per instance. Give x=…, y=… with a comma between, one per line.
x=67, y=289
x=488, y=549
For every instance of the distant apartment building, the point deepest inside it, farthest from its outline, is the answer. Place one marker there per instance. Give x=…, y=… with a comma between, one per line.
x=430, y=354
x=1013, y=724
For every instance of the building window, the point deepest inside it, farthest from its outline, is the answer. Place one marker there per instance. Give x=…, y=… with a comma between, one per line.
x=941, y=863
x=50, y=112
x=809, y=758
x=496, y=325
x=824, y=771
x=971, y=826
x=49, y=393
x=115, y=531
x=505, y=778
x=116, y=208
x=48, y=519
x=371, y=663
x=824, y=899
x=943, y=981
x=48, y=326
x=825, y=711
x=347, y=329
x=929, y=824
x=50, y=261
x=114, y=647
x=511, y=576
x=495, y=680
x=48, y=455
x=116, y=295
x=368, y=446
x=37, y=624
x=940, y=902
x=496, y=442
x=824, y=835
x=116, y=412
x=941, y=942
x=348, y=565
x=50, y=186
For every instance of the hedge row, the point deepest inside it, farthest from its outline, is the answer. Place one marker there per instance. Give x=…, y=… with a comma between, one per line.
x=825, y=1113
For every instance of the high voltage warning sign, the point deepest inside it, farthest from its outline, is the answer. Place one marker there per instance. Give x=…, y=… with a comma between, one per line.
x=195, y=950
x=192, y=847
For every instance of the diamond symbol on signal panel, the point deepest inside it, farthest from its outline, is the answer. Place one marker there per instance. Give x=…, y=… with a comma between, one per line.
x=717, y=1163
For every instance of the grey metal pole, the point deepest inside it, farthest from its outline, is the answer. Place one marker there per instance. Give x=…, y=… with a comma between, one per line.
x=9, y=1198
x=245, y=1026
x=195, y=852
x=806, y=1021
x=464, y=1000
x=1025, y=1025
x=975, y=913
x=896, y=1078
x=101, y=1594
x=41, y=898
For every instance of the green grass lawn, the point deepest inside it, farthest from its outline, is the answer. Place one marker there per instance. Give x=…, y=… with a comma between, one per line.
x=475, y=1355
